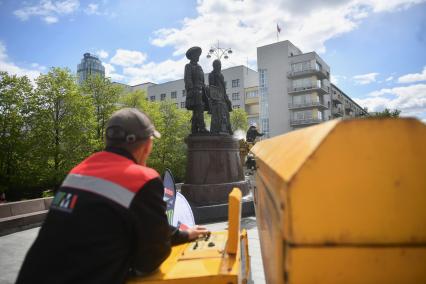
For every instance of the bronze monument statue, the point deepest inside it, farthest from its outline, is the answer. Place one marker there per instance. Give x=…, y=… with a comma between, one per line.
x=196, y=98
x=219, y=102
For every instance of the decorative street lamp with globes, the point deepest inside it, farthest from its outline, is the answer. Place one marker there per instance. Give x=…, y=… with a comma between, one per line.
x=219, y=52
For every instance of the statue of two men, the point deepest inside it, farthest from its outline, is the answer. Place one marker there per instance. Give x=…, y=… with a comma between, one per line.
x=199, y=98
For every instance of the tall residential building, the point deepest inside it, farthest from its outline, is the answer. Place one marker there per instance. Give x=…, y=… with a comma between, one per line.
x=90, y=65
x=295, y=90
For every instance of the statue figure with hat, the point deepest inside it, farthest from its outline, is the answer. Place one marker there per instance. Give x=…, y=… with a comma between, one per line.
x=220, y=105
x=196, y=97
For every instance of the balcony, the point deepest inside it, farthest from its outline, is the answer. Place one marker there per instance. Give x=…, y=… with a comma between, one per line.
x=300, y=122
x=348, y=106
x=337, y=98
x=306, y=105
x=306, y=89
x=337, y=112
x=320, y=73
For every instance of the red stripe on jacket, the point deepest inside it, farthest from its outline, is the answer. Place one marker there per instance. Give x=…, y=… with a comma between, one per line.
x=117, y=169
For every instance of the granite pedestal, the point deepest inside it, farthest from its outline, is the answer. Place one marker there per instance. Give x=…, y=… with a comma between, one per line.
x=213, y=170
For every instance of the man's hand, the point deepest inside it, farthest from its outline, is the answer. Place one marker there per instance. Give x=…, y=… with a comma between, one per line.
x=197, y=232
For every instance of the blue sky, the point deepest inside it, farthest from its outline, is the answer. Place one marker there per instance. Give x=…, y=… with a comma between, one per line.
x=376, y=48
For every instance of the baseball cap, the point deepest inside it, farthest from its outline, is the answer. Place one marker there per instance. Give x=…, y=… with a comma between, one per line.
x=129, y=125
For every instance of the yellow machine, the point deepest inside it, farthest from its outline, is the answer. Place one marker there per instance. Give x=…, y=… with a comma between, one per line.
x=221, y=257
x=343, y=202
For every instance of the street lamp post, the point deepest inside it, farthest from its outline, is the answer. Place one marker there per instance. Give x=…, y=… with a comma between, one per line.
x=219, y=52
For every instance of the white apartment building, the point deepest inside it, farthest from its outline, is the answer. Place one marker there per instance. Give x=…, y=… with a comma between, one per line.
x=295, y=90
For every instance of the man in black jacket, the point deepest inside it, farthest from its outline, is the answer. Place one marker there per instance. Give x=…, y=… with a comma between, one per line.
x=108, y=217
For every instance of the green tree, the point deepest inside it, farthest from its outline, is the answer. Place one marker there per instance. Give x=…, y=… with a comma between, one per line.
x=61, y=127
x=105, y=97
x=170, y=151
x=239, y=120
x=387, y=113
x=136, y=99
x=14, y=94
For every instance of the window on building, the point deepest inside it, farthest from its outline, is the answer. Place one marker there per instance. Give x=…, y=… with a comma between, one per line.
x=162, y=97
x=182, y=104
x=235, y=96
x=235, y=106
x=302, y=83
x=173, y=95
x=152, y=98
x=302, y=115
x=235, y=83
x=183, y=93
x=252, y=94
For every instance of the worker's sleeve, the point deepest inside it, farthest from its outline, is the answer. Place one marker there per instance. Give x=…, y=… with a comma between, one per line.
x=179, y=236
x=152, y=231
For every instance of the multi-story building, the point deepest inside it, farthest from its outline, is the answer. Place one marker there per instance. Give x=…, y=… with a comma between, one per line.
x=343, y=106
x=295, y=90
x=90, y=65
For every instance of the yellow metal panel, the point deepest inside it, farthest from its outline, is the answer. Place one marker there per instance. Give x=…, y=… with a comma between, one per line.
x=356, y=265
x=268, y=216
x=223, y=268
x=365, y=184
x=234, y=209
x=284, y=155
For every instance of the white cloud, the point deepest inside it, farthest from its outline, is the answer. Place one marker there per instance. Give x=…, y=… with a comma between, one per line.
x=128, y=58
x=92, y=9
x=102, y=54
x=155, y=72
x=245, y=25
x=411, y=100
x=365, y=79
x=411, y=78
x=50, y=19
x=110, y=72
x=48, y=10
x=390, y=78
x=12, y=68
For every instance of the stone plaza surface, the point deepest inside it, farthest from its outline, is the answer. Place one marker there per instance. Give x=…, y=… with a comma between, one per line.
x=13, y=248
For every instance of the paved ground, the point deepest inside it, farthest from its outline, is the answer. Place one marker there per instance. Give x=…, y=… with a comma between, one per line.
x=13, y=248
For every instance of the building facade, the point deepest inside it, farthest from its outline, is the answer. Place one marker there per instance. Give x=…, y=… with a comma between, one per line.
x=295, y=90
x=90, y=65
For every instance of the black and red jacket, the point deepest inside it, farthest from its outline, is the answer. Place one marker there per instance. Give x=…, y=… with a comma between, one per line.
x=107, y=218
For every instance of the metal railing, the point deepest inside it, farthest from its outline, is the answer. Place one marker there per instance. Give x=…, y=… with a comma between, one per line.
x=319, y=72
x=305, y=121
x=306, y=104
x=321, y=89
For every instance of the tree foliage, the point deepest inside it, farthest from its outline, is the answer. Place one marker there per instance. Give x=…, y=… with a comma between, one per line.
x=105, y=96
x=48, y=127
x=62, y=125
x=387, y=113
x=14, y=95
x=239, y=119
